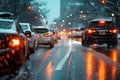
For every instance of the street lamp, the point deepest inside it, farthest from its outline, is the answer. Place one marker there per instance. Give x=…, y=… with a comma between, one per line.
x=70, y=14
x=63, y=20
x=29, y=9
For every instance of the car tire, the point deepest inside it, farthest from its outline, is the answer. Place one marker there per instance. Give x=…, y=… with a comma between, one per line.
x=51, y=45
x=28, y=54
x=85, y=42
x=112, y=44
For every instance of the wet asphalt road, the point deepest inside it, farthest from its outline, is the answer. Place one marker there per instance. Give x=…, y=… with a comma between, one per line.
x=68, y=60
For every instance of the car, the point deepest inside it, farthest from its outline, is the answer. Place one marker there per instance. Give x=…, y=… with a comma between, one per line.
x=118, y=36
x=100, y=31
x=75, y=33
x=46, y=37
x=14, y=48
x=31, y=35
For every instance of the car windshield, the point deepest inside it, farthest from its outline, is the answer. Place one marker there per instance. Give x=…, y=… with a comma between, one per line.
x=77, y=29
x=6, y=25
x=41, y=30
x=101, y=25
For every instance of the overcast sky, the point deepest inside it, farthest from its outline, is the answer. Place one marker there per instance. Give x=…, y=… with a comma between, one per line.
x=54, y=6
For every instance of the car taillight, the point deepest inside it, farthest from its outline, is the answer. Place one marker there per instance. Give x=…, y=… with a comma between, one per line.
x=69, y=32
x=28, y=35
x=91, y=31
x=74, y=31
x=47, y=35
x=15, y=42
x=113, y=31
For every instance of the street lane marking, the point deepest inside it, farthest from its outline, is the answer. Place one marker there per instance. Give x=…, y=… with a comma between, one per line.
x=62, y=62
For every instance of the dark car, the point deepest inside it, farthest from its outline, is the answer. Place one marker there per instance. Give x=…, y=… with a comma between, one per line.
x=13, y=46
x=100, y=31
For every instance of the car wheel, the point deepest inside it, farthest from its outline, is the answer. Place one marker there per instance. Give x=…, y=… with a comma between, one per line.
x=51, y=45
x=28, y=54
x=112, y=44
x=85, y=43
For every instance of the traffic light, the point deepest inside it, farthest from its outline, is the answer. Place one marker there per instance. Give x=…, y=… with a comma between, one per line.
x=29, y=9
x=103, y=2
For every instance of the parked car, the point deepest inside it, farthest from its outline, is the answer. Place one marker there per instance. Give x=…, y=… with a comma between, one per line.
x=100, y=31
x=14, y=48
x=46, y=37
x=31, y=35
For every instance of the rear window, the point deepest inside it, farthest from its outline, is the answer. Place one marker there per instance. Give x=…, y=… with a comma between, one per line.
x=77, y=30
x=41, y=30
x=6, y=25
x=24, y=27
x=101, y=25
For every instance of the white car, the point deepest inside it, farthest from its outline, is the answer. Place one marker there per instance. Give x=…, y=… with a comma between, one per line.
x=45, y=36
x=32, y=36
x=118, y=35
x=76, y=33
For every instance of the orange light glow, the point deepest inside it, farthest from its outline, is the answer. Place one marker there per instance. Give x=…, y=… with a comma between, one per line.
x=91, y=31
x=47, y=35
x=114, y=57
x=89, y=65
x=102, y=22
x=14, y=42
x=102, y=70
x=113, y=31
x=49, y=71
x=74, y=31
x=27, y=35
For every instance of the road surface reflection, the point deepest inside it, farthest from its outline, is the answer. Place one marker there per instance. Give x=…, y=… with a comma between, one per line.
x=49, y=71
x=98, y=69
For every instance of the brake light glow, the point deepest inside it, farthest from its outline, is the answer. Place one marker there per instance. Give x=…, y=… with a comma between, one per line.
x=113, y=31
x=14, y=42
x=47, y=35
x=74, y=31
x=91, y=31
x=27, y=35
x=102, y=22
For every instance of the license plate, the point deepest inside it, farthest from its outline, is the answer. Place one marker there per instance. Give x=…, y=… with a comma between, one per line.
x=102, y=33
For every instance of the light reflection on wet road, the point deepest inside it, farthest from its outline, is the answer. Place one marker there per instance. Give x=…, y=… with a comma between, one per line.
x=93, y=63
x=49, y=71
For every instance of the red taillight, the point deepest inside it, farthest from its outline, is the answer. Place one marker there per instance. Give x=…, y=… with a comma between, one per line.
x=14, y=42
x=91, y=31
x=102, y=22
x=113, y=31
x=27, y=35
x=47, y=35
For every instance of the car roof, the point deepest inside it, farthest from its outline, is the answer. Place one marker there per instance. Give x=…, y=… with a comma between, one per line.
x=100, y=19
x=39, y=27
x=9, y=20
x=6, y=15
x=24, y=23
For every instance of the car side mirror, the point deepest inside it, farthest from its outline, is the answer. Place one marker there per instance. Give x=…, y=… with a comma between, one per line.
x=28, y=34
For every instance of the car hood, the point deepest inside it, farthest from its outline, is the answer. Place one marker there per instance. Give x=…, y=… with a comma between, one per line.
x=8, y=31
